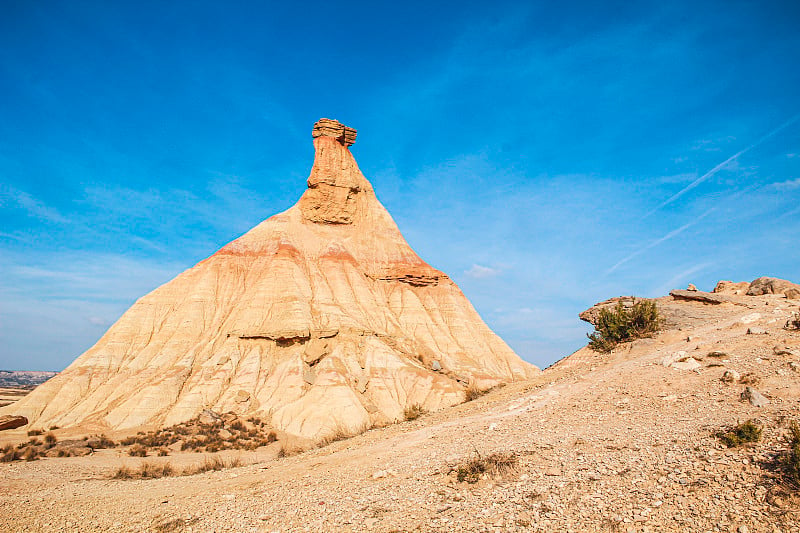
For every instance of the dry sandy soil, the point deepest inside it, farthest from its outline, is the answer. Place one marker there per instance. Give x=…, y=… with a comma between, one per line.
x=606, y=442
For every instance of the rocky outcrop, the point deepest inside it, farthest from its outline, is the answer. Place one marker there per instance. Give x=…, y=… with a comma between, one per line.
x=592, y=314
x=700, y=296
x=766, y=285
x=12, y=422
x=320, y=320
x=730, y=287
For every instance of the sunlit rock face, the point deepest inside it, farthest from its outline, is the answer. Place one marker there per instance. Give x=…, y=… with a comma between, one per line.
x=320, y=319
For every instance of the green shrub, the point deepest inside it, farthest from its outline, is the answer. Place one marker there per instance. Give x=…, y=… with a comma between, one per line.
x=790, y=461
x=623, y=324
x=740, y=434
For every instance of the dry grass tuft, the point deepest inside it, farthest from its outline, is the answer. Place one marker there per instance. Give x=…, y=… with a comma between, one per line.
x=155, y=470
x=749, y=379
x=499, y=464
x=179, y=524
x=473, y=392
x=137, y=450
x=412, y=412
x=211, y=464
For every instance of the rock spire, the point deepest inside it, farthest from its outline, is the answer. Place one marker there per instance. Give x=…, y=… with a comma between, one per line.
x=320, y=319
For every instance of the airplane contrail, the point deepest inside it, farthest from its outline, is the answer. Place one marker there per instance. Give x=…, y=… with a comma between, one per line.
x=681, y=229
x=658, y=241
x=722, y=165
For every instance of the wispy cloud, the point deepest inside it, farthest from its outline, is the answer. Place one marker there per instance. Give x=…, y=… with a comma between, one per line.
x=724, y=164
x=480, y=271
x=10, y=196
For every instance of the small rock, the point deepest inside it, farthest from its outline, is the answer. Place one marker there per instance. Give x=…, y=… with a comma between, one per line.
x=749, y=319
x=784, y=349
x=730, y=376
x=795, y=366
x=436, y=366
x=757, y=331
x=691, y=287
x=742, y=529
x=755, y=398
x=690, y=363
x=208, y=417
x=552, y=472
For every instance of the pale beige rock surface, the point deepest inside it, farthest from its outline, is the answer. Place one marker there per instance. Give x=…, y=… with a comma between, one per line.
x=321, y=318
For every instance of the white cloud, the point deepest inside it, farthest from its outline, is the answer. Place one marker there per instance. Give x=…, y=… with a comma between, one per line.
x=480, y=271
x=788, y=185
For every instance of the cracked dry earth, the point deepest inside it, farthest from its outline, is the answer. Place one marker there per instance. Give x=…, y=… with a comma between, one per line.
x=615, y=442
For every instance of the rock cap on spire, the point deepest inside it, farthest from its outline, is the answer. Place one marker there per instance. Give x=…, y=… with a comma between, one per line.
x=333, y=128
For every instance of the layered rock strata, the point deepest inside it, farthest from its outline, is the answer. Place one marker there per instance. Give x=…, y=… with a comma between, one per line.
x=320, y=319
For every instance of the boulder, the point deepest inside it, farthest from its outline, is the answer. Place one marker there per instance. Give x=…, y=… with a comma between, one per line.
x=730, y=287
x=12, y=422
x=766, y=285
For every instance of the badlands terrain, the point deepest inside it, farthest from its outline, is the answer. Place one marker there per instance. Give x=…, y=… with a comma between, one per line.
x=315, y=374
x=624, y=441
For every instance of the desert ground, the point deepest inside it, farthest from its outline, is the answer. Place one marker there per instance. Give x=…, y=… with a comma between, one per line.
x=624, y=441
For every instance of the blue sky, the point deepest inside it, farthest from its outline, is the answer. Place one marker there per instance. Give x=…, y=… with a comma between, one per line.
x=545, y=155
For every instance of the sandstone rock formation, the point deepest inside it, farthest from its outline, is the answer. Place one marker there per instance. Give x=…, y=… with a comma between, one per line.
x=729, y=287
x=766, y=285
x=321, y=319
x=12, y=422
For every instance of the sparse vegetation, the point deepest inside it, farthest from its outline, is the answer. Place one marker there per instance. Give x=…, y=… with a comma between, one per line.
x=178, y=524
x=789, y=460
x=500, y=464
x=623, y=324
x=749, y=379
x=50, y=440
x=473, y=392
x=227, y=432
x=154, y=470
x=340, y=432
x=412, y=412
x=740, y=434
x=137, y=450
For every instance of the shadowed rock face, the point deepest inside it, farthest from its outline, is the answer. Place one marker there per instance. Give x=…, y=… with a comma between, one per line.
x=321, y=319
